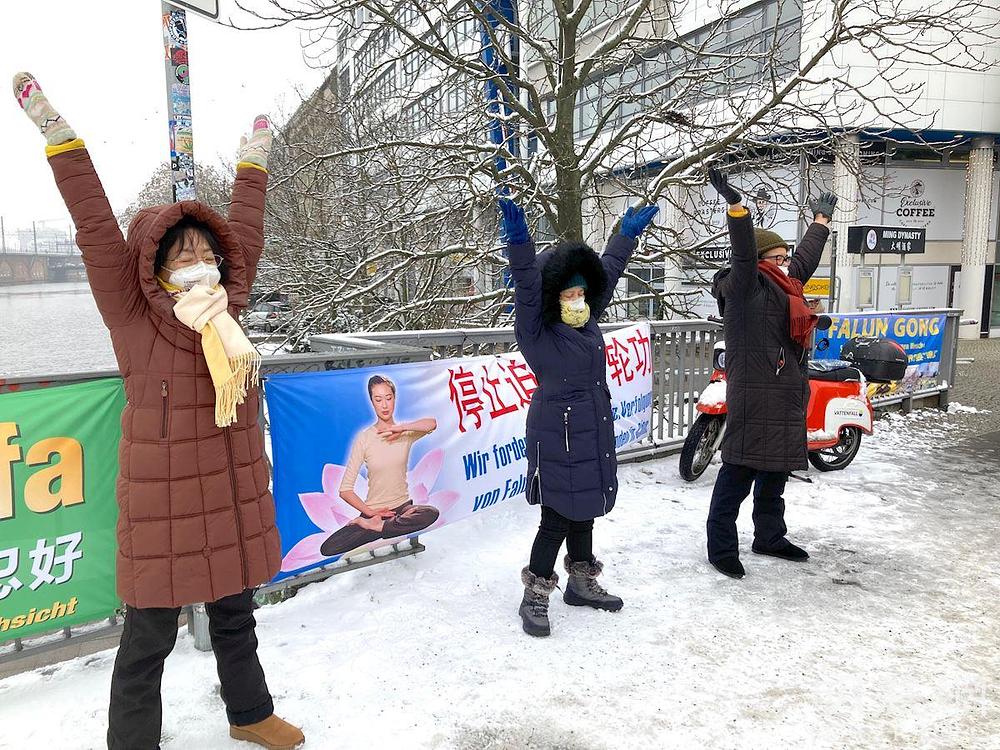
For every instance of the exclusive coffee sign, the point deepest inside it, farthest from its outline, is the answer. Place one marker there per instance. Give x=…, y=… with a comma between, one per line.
x=915, y=203
x=932, y=199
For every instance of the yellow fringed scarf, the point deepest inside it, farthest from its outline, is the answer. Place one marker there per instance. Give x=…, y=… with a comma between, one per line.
x=233, y=362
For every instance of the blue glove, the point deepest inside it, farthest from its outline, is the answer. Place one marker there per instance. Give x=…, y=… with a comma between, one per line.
x=636, y=220
x=515, y=225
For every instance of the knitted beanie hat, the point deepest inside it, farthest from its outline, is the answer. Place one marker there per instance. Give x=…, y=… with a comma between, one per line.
x=767, y=240
x=575, y=280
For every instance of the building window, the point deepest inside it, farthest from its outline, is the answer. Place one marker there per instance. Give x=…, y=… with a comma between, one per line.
x=384, y=87
x=772, y=26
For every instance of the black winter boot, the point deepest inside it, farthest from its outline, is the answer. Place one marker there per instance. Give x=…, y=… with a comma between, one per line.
x=583, y=590
x=534, y=609
x=730, y=566
x=787, y=551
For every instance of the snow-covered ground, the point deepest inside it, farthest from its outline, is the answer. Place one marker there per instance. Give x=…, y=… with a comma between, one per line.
x=887, y=637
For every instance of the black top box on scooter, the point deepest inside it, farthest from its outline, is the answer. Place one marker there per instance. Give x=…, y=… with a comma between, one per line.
x=880, y=360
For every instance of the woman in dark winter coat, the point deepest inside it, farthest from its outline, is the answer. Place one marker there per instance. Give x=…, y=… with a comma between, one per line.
x=559, y=295
x=768, y=326
x=196, y=518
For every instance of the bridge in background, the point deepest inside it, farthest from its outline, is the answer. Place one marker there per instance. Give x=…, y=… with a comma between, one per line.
x=46, y=260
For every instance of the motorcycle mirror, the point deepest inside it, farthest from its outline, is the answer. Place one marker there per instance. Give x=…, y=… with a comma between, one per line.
x=823, y=322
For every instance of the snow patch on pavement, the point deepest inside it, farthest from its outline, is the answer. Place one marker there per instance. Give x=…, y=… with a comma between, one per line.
x=886, y=637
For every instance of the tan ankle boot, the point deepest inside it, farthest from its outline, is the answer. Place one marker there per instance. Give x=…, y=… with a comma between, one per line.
x=272, y=733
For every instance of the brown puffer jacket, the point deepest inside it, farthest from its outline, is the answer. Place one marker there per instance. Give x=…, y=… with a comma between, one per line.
x=196, y=518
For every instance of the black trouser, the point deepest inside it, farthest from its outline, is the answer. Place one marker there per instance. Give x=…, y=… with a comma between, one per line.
x=136, y=710
x=409, y=519
x=552, y=531
x=731, y=488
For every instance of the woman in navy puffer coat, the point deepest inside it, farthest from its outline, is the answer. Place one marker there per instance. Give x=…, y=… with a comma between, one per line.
x=559, y=295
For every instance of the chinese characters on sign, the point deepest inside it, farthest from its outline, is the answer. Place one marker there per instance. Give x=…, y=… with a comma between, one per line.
x=506, y=384
x=893, y=240
x=628, y=360
x=51, y=563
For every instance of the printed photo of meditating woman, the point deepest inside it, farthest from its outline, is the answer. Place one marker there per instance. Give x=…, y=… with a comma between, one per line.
x=384, y=449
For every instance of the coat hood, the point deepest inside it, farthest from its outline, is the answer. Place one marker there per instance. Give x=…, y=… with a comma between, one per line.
x=558, y=264
x=148, y=228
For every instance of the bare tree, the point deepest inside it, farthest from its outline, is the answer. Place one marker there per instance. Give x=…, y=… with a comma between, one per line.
x=576, y=107
x=214, y=190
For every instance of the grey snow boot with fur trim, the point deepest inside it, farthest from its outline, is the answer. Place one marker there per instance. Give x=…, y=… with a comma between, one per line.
x=583, y=590
x=534, y=609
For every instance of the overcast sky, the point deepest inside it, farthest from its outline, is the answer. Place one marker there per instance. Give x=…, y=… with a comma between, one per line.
x=101, y=64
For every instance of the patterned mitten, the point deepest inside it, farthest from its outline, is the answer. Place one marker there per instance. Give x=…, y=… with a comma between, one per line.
x=34, y=103
x=255, y=150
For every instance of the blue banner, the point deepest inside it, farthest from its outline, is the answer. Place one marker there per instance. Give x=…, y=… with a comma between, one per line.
x=921, y=335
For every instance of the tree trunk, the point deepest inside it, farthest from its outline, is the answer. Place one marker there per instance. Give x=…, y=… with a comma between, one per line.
x=569, y=189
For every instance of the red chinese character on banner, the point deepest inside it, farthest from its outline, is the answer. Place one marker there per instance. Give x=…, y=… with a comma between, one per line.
x=465, y=395
x=641, y=347
x=524, y=384
x=619, y=361
x=492, y=388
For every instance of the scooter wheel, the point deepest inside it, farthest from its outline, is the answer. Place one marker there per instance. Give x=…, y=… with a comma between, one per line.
x=840, y=455
x=699, y=445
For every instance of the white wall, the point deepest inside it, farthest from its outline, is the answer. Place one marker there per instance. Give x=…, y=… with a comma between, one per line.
x=949, y=98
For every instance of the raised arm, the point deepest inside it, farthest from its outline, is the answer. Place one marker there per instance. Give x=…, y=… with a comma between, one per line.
x=810, y=250
x=742, y=279
x=111, y=269
x=619, y=252
x=246, y=211
x=527, y=278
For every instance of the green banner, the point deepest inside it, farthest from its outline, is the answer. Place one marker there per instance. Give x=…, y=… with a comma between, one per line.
x=58, y=466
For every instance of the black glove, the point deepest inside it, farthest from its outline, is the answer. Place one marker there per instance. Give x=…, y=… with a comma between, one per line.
x=823, y=205
x=721, y=184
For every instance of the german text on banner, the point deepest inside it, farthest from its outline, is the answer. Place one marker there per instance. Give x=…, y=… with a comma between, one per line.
x=464, y=451
x=58, y=466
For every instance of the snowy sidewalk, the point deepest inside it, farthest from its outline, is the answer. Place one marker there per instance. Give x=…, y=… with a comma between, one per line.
x=886, y=638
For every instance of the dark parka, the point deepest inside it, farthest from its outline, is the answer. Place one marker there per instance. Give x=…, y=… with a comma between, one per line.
x=767, y=385
x=570, y=432
x=196, y=518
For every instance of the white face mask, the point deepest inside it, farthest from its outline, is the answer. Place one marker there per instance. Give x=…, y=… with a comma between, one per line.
x=200, y=273
x=576, y=305
x=784, y=269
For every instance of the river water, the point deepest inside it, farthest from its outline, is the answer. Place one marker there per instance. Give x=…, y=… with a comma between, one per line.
x=46, y=329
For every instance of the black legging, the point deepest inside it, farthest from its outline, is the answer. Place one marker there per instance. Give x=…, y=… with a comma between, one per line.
x=554, y=528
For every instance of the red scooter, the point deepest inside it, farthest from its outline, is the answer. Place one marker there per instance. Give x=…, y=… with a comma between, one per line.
x=838, y=413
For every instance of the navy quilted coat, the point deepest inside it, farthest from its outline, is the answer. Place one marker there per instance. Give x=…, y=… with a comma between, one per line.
x=571, y=435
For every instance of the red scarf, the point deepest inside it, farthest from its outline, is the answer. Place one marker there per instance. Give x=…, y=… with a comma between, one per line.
x=801, y=320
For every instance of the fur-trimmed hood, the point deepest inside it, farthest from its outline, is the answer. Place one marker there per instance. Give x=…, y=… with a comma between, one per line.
x=558, y=264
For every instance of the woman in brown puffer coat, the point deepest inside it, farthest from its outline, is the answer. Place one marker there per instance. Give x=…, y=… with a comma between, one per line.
x=196, y=518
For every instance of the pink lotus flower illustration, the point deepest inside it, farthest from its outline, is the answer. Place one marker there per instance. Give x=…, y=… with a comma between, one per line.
x=329, y=512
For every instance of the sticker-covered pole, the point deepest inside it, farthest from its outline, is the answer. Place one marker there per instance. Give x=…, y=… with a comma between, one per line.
x=175, y=45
